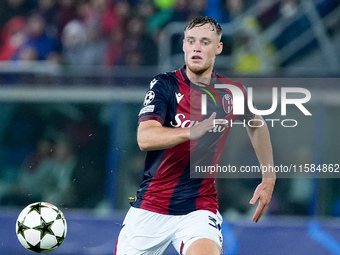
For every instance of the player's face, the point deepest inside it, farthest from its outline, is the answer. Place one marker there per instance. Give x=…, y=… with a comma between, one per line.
x=201, y=44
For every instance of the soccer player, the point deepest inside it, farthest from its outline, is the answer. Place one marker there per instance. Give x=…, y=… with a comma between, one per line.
x=170, y=207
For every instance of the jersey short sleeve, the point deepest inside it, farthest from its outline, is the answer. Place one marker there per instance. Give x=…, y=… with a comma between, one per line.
x=156, y=101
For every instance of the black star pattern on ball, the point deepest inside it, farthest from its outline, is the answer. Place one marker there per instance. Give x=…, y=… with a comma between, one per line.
x=21, y=228
x=59, y=240
x=35, y=248
x=37, y=207
x=45, y=228
x=59, y=216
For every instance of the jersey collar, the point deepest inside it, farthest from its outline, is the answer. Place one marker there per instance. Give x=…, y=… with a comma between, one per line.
x=186, y=79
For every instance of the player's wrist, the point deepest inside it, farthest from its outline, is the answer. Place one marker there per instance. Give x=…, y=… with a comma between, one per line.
x=269, y=180
x=186, y=134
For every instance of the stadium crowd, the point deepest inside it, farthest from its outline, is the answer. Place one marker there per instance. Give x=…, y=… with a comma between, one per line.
x=117, y=32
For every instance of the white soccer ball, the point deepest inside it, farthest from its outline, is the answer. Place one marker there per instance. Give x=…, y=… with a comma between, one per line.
x=41, y=227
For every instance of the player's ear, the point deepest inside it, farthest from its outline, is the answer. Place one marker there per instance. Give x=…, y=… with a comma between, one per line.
x=219, y=48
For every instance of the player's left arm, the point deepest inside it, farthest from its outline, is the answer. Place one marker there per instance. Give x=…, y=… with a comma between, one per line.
x=260, y=139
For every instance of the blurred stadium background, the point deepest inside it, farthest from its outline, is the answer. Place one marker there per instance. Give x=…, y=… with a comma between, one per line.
x=73, y=75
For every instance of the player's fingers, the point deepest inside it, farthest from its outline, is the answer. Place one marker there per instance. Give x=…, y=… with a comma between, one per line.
x=212, y=116
x=254, y=198
x=259, y=212
x=256, y=214
x=221, y=122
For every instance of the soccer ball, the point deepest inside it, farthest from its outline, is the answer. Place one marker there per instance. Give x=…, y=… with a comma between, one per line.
x=41, y=227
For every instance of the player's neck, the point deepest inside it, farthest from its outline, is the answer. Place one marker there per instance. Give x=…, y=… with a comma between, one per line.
x=194, y=77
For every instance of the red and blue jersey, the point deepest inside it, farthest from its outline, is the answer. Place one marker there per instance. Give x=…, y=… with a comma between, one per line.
x=175, y=102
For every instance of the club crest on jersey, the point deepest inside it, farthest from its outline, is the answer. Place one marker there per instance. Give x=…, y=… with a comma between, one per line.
x=150, y=95
x=227, y=102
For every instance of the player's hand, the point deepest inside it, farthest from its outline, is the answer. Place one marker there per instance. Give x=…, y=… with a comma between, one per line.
x=263, y=193
x=203, y=127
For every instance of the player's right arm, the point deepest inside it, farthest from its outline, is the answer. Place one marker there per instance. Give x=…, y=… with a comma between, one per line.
x=151, y=135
